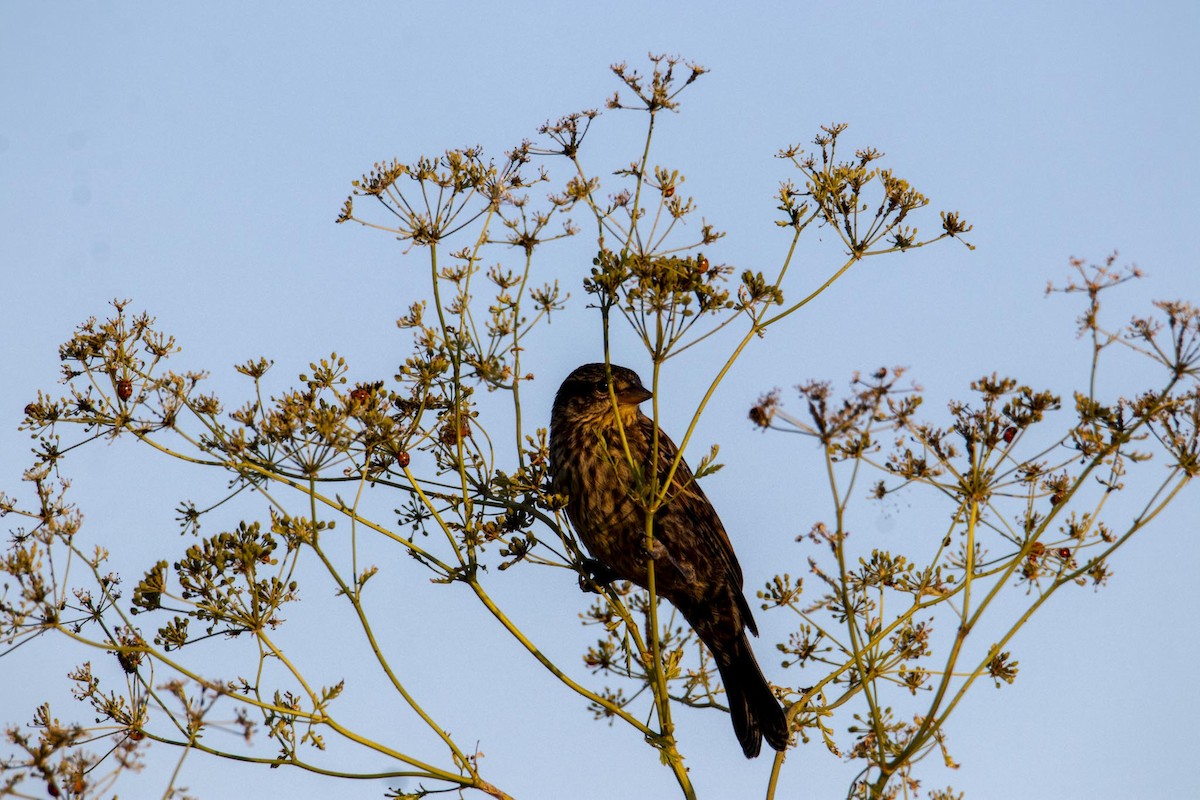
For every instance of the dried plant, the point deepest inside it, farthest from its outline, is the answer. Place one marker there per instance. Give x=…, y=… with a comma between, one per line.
x=196, y=649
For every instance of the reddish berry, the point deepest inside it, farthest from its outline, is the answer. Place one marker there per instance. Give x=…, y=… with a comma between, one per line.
x=124, y=388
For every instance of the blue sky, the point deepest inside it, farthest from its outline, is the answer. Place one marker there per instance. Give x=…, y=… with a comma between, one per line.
x=195, y=160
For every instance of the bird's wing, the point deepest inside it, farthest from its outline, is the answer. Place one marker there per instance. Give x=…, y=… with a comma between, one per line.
x=687, y=501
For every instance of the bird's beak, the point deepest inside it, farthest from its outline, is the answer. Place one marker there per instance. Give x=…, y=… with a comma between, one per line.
x=633, y=395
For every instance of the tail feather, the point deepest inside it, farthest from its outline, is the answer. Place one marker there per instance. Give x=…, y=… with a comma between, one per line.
x=755, y=711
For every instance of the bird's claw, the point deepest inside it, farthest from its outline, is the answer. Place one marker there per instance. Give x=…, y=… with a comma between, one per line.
x=597, y=575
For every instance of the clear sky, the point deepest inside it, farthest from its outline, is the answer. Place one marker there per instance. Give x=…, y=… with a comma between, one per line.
x=195, y=158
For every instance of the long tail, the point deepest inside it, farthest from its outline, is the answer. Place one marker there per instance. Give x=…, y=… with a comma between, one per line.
x=755, y=711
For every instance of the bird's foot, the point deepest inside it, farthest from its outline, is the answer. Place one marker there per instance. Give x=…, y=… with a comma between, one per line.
x=597, y=575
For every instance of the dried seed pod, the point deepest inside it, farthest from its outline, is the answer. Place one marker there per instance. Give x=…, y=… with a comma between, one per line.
x=448, y=435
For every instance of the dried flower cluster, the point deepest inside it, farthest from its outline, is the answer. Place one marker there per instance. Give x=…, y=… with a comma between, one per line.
x=1029, y=489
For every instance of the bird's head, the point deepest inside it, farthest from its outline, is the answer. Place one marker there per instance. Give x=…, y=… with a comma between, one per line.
x=585, y=392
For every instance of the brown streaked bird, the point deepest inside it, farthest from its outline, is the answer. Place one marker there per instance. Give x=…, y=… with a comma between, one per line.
x=694, y=565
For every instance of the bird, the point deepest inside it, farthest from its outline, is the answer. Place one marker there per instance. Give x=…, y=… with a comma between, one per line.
x=695, y=568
